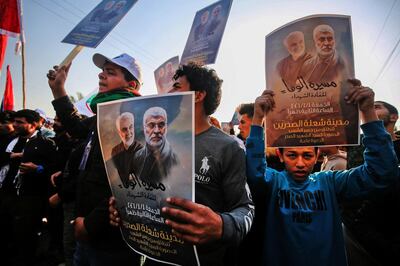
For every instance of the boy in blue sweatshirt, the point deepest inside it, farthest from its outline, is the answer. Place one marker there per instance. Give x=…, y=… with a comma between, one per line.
x=303, y=222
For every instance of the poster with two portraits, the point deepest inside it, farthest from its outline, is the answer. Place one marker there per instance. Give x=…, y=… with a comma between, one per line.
x=148, y=150
x=308, y=63
x=206, y=33
x=164, y=74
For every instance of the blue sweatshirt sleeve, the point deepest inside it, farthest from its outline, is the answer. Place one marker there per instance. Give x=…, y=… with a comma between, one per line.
x=379, y=169
x=255, y=156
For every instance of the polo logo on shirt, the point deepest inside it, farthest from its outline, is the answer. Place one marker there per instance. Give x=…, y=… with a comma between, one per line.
x=201, y=176
x=204, y=166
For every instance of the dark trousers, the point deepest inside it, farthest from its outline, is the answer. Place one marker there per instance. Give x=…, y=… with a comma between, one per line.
x=7, y=209
x=26, y=218
x=68, y=233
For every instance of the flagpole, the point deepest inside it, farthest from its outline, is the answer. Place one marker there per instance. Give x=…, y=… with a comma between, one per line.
x=22, y=41
x=23, y=76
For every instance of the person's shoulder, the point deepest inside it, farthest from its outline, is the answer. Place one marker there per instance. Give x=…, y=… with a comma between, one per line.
x=238, y=141
x=339, y=60
x=218, y=134
x=320, y=176
x=136, y=146
x=116, y=149
x=141, y=151
x=280, y=64
x=306, y=56
x=221, y=140
x=311, y=59
x=44, y=138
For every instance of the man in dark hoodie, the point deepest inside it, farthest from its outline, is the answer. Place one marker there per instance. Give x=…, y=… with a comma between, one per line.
x=98, y=243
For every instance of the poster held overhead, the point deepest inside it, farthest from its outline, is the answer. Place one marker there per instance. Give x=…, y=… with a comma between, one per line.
x=307, y=65
x=206, y=33
x=93, y=28
x=98, y=23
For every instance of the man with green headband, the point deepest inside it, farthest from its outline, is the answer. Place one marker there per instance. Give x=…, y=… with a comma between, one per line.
x=97, y=242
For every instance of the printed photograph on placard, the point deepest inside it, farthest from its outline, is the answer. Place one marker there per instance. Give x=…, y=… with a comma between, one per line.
x=147, y=146
x=93, y=28
x=206, y=33
x=164, y=74
x=307, y=64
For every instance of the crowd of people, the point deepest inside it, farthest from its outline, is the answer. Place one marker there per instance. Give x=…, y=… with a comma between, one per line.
x=264, y=206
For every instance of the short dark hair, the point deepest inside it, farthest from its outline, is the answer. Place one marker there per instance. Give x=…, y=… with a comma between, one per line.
x=392, y=110
x=127, y=75
x=6, y=116
x=205, y=79
x=246, y=109
x=30, y=115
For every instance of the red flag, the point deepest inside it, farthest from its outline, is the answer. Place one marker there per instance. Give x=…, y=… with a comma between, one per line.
x=8, y=99
x=10, y=24
x=3, y=45
x=10, y=17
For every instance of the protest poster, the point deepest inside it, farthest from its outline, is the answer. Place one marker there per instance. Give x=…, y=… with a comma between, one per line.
x=164, y=75
x=99, y=22
x=308, y=62
x=206, y=33
x=147, y=146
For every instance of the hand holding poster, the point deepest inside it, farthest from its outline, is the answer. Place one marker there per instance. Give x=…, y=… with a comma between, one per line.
x=206, y=33
x=147, y=146
x=164, y=75
x=308, y=63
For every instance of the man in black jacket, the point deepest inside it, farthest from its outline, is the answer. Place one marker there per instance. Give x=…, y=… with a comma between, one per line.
x=31, y=160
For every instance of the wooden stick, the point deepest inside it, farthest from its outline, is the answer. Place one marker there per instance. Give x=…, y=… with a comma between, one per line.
x=71, y=55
